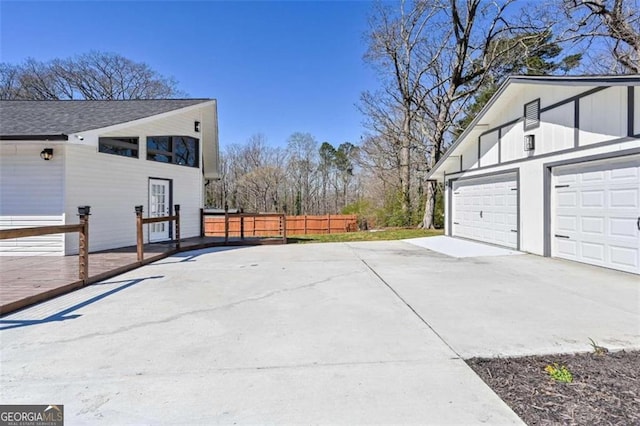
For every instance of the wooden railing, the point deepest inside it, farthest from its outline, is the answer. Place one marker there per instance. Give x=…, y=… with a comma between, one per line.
x=243, y=225
x=146, y=220
x=83, y=237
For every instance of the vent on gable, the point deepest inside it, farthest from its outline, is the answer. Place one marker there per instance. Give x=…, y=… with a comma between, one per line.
x=532, y=114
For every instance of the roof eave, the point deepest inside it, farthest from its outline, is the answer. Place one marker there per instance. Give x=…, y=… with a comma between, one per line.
x=60, y=137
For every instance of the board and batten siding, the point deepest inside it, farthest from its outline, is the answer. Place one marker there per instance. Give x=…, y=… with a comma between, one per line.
x=602, y=117
x=31, y=194
x=113, y=185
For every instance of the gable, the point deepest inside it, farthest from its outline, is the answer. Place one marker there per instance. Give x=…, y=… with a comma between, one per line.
x=571, y=116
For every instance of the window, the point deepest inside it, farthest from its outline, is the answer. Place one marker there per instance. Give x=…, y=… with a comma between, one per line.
x=182, y=150
x=127, y=147
x=532, y=115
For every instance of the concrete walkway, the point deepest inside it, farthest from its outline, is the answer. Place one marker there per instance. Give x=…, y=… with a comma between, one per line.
x=322, y=333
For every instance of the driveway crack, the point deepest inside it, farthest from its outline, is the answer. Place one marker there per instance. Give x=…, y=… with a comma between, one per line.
x=408, y=305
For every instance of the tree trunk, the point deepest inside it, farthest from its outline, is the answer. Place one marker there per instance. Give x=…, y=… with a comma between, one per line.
x=430, y=206
x=405, y=171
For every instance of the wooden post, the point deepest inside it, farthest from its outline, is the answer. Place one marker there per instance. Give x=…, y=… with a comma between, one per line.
x=328, y=223
x=201, y=223
x=139, y=234
x=241, y=226
x=254, y=225
x=305, y=224
x=226, y=223
x=284, y=229
x=177, y=210
x=83, y=252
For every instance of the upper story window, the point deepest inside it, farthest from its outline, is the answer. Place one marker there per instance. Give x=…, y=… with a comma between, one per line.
x=532, y=114
x=182, y=150
x=127, y=147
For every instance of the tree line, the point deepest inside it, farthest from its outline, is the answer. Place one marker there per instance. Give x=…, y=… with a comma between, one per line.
x=304, y=177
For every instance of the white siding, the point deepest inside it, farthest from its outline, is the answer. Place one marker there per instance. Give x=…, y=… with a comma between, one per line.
x=28, y=184
x=31, y=194
x=489, y=149
x=45, y=245
x=470, y=156
x=603, y=116
x=556, y=129
x=512, y=142
x=113, y=185
x=511, y=107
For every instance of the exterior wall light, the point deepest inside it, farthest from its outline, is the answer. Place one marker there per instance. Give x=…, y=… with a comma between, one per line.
x=46, y=154
x=196, y=126
x=529, y=142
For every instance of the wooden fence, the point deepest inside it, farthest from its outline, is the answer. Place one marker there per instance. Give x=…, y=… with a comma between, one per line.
x=270, y=225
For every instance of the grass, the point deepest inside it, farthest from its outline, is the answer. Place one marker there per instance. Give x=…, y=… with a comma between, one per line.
x=375, y=235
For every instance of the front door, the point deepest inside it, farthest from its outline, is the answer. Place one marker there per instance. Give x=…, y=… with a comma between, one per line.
x=159, y=205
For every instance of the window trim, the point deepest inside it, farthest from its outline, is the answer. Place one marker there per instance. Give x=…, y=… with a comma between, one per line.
x=115, y=141
x=172, y=155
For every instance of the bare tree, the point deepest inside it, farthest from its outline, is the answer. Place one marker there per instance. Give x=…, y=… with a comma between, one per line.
x=616, y=23
x=94, y=75
x=302, y=151
x=396, y=43
x=433, y=56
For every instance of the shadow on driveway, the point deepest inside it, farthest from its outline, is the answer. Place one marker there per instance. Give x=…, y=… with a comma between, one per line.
x=6, y=324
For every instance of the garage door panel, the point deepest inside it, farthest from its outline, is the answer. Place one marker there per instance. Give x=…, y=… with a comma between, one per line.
x=624, y=173
x=592, y=177
x=625, y=227
x=592, y=198
x=595, y=213
x=620, y=198
x=593, y=251
x=567, y=223
x=485, y=209
x=623, y=256
x=567, y=248
x=593, y=225
x=567, y=199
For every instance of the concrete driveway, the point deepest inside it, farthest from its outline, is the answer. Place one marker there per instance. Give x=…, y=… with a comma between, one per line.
x=332, y=333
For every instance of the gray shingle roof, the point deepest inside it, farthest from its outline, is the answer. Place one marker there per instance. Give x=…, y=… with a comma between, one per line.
x=34, y=118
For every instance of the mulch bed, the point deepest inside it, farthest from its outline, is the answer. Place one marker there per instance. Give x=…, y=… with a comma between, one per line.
x=605, y=388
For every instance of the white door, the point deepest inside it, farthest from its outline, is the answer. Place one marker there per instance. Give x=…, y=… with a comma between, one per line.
x=159, y=199
x=596, y=213
x=486, y=209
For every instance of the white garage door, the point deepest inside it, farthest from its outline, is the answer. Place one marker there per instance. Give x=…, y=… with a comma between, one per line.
x=596, y=213
x=486, y=209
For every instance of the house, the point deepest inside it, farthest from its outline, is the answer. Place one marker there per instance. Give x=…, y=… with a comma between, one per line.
x=109, y=155
x=551, y=166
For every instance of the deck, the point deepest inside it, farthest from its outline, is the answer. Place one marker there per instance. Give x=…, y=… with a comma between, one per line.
x=27, y=280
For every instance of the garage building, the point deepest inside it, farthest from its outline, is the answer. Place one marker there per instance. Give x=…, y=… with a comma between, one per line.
x=551, y=166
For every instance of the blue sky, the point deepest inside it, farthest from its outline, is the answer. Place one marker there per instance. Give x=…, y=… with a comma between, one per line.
x=275, y=67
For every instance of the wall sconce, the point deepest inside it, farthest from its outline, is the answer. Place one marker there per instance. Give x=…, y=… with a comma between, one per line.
x=529, y=142
x=196, y=126
x=46, y=154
